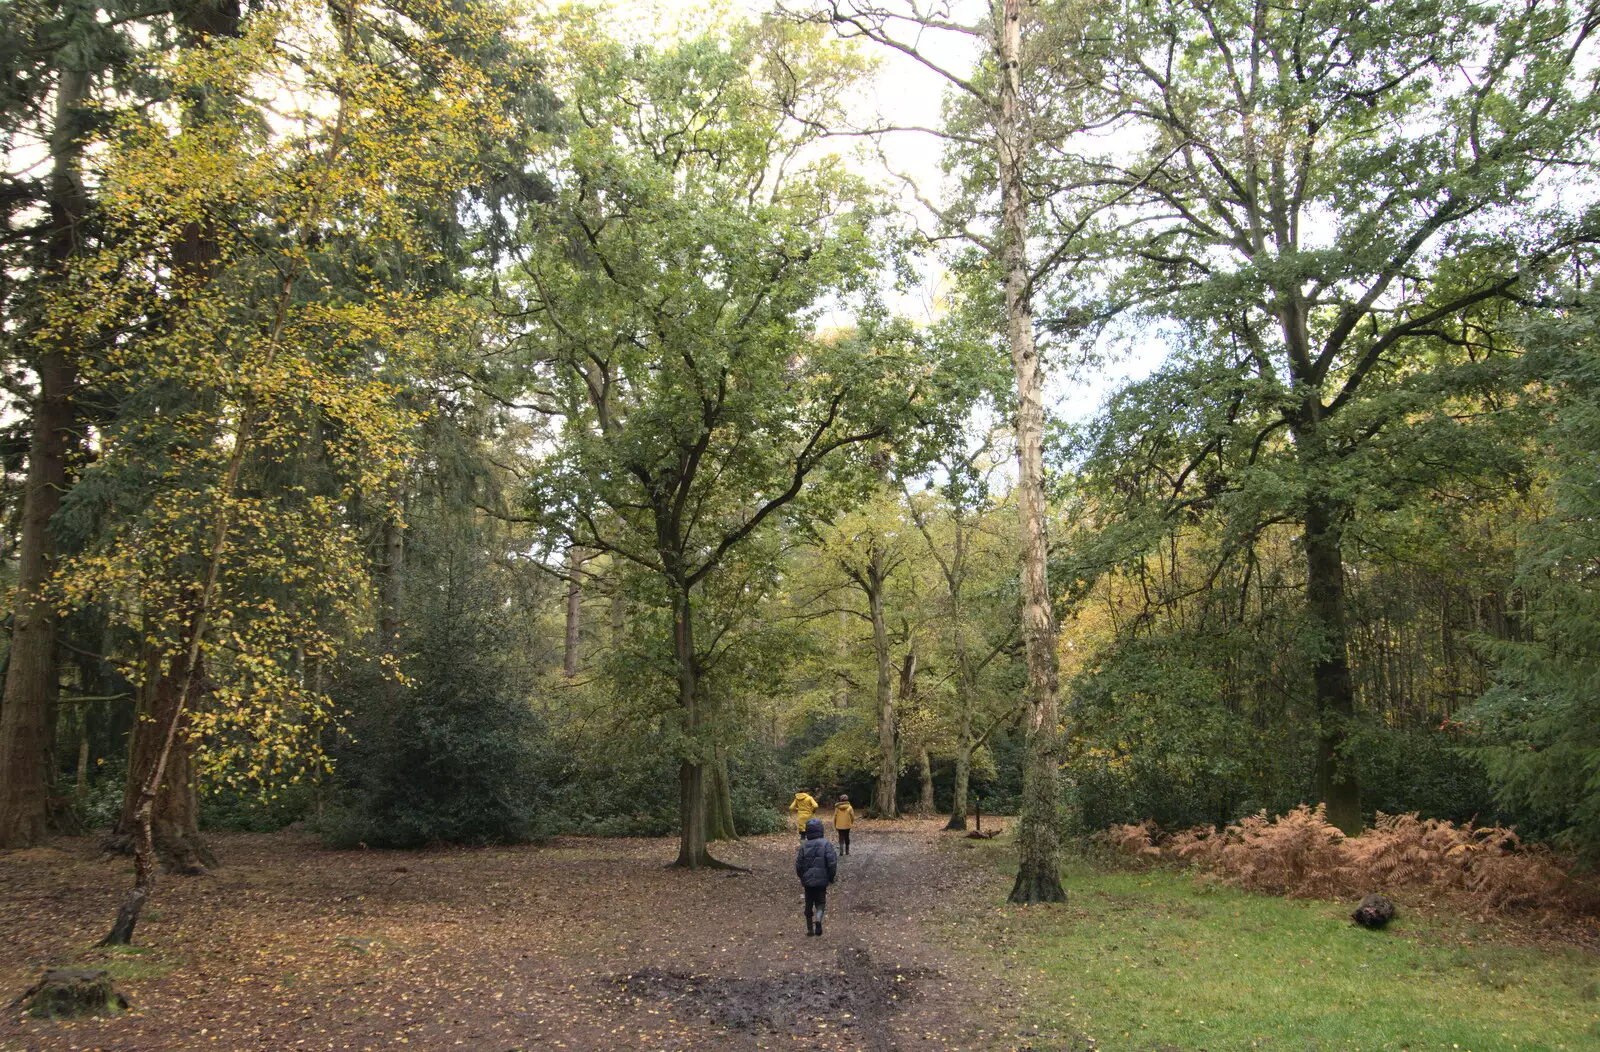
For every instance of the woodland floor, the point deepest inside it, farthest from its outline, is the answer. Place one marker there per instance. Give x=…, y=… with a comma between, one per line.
x=577, y=944
x=595, y=944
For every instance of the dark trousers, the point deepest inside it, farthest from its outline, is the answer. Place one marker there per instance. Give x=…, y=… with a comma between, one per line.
x=844, y=841
x=816, y=900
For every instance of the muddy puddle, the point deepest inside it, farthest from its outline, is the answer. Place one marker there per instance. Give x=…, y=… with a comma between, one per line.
x=855, y=995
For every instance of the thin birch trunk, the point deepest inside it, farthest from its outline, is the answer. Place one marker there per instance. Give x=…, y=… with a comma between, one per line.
x=1038, y=876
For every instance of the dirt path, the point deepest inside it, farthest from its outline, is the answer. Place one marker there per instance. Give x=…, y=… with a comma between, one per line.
x=578, y=944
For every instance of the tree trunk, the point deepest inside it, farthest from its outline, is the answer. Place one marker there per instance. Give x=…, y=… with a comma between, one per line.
x=174, y=811
x=908, y=701
x=1038, y=874
x=908, y=680
x=170, y=767
x=841, y=650
x=958, y=801
x=391, y=599
x=27, y=713
x=575, y=561
x=619, y=608
x=719, y=801
x=392, y=581
x=692, y=851
x=80, y=784
x=1336, y=784
x=1334, y=773
x=955, y=577
x=883, y=803
x=174, y=689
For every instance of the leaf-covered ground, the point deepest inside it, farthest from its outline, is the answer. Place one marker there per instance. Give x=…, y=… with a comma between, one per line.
x=579, y=944
x=596, y=944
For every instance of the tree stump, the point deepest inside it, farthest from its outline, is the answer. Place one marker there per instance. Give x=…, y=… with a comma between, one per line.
x=72, y=993
x=1374, y=912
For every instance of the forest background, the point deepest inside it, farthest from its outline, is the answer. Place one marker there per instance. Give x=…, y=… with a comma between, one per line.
x=451, y=422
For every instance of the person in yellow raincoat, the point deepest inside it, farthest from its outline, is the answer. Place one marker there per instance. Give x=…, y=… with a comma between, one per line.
x=844, y=816
x=804, y=805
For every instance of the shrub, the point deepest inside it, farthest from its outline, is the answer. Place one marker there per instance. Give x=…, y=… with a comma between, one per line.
x=1424, y=771
x=458, y=756
x=102, y=804
x=1300, y=854
x=1489, y=861
x=624, y=783
x=1136, y=840
x=254, y=811
x=759, y=786
x=456, y=762
x=1296, y=854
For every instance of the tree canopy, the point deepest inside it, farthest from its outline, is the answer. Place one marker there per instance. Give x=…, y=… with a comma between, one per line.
x=537, y=408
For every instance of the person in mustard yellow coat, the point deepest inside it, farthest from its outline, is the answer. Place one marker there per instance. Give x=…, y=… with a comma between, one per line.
x=804, y=805
x=844, y=816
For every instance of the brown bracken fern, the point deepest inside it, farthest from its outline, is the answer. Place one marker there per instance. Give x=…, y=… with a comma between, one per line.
x=1300, y=854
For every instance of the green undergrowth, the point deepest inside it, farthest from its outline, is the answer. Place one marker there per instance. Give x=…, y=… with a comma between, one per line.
x=1160, y=961
x=128, y=963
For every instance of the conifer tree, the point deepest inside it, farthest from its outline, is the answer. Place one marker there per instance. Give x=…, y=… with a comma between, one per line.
x=58, y=61
x=218, y=569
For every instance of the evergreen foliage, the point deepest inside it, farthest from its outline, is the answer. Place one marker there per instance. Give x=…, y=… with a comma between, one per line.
x=457, y=756
x=1537, y=729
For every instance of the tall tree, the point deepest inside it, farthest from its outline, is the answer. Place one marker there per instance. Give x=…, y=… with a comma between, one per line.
x=958, y=524
x=218, y=579
x=195, y=254
x=670, y=294
x=995, y=137
x=865, y=547
x=1322, y=193
x=63, y=55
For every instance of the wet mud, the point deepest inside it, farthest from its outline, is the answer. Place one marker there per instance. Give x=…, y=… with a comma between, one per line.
x=855, y=997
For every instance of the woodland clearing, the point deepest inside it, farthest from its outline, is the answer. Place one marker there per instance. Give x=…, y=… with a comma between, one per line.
x=576, y=943
x=584, y=943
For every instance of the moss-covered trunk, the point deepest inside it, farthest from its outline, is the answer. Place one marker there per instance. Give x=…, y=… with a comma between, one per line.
x=719, y=800
x=692, y=850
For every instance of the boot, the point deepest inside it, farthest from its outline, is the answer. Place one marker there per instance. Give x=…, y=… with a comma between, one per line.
x=811, y=928
x=819, y=922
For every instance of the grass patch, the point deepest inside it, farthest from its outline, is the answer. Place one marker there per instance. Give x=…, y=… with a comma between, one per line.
x=128, y=963
x=1158, y=961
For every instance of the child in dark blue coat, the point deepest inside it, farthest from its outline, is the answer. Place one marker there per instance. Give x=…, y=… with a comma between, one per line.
x=816, y=864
